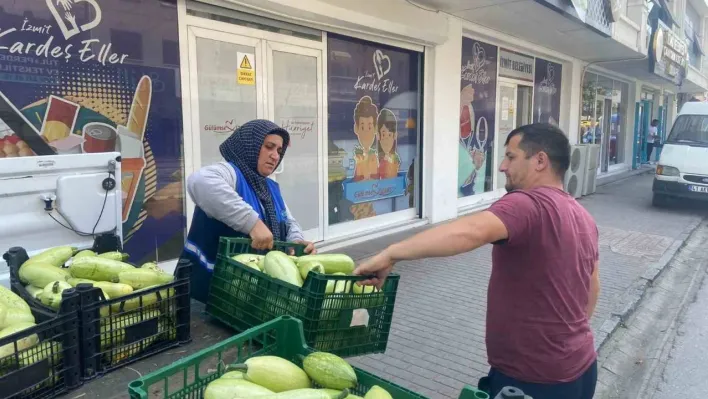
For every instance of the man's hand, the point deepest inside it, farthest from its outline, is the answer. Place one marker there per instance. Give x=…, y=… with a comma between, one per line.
x=309, y=247
x=262, y=237
x=379, y=267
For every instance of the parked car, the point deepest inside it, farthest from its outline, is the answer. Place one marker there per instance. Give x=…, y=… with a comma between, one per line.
x=682, y=171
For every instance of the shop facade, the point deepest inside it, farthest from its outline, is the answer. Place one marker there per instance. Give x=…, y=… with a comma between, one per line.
x=398, y=114
x=501, y=88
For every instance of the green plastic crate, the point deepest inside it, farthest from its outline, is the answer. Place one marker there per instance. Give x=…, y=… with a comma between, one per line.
x=242, y=298
x=283, y=337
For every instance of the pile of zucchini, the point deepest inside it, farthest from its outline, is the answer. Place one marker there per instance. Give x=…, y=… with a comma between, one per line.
x=49, y=273
x=273, y=377
x=294, y=270
x=16, y=316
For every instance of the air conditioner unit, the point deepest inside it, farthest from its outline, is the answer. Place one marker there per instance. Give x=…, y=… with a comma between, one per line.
x=593, y=161
x=575, y=176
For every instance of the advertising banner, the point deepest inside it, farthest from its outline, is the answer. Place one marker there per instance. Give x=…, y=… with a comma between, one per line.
x=478, y=89
x=373, y=101
x=95, y=76
x=547, y=91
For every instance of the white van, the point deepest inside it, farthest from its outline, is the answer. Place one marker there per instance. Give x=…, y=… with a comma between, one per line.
x=682, y=171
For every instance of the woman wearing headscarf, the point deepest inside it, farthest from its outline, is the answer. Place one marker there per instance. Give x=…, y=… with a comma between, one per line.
x=235, y=198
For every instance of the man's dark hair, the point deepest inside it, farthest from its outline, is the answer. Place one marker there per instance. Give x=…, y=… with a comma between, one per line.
x=655, y=122
x=545, y=137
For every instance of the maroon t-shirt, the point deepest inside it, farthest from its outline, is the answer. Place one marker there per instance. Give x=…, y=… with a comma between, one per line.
x=537, y=327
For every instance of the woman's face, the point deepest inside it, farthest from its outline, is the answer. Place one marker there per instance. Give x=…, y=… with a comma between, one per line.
x=387, y=138
x=269, y=156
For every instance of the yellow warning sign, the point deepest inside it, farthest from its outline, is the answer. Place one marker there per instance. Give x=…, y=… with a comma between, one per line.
x=246, y=73
x=245, y=63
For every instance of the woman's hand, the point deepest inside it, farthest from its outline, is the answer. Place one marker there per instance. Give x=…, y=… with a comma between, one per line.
x=262, y=237
x=309, y=247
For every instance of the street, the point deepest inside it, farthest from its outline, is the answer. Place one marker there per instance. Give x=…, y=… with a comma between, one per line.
x=660, y=352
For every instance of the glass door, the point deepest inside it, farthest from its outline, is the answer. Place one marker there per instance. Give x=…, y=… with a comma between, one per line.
x=507, y=122
x=295, y=103
x=252, y=74
x=220, y=102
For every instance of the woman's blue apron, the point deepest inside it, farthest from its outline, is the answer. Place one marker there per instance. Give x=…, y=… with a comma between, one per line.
x=203, y=238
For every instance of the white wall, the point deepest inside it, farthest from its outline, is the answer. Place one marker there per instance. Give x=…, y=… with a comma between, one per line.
x=443, y=126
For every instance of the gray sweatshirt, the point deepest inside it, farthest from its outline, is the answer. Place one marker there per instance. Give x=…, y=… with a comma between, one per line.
x=213, y=189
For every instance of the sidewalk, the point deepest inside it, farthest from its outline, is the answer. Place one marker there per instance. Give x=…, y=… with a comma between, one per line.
x=437, y=345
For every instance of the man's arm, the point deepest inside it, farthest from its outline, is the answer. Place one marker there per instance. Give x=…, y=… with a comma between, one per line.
x=594, y=290
x=462, y=235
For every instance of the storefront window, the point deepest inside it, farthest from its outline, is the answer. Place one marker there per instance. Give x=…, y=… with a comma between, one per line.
x=604, y=117
x=373, y=101
x=478, y=89
x=587, y=117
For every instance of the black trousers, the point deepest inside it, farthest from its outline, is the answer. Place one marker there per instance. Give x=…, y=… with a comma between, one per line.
x=650, y=149
x=582, y=388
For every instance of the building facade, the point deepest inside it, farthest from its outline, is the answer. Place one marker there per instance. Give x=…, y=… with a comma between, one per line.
x=398, y=110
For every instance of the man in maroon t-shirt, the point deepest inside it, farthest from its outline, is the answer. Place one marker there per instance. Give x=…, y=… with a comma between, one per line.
x=544, y=283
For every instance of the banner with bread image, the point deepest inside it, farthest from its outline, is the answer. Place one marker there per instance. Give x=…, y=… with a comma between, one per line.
x=78, y=82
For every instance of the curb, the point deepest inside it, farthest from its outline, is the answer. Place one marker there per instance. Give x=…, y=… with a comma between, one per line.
x=635, y=293
x=614, y=178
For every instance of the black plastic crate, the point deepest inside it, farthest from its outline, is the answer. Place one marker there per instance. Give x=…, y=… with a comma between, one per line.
x=120, y=331
x=45, y=361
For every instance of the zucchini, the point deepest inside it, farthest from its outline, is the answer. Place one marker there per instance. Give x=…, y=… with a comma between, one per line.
x=329, y=371
x=97, y=268
x=279, y=265
x=22, y=343
x=114, y=290
x=46, y=350
x=54, y=256
x=84, y=253
x=114, y=255
x=143, y=278
x=376, y=392
x=51, y=296
x=113, y=330
x=227, y=388
x=333, y=263
x=34, y=291
x=274, y=373
x=40, y=274
x=334, y=392
x=12, y=300
x=235, y=375
x=11, y=316
x=337, y=286
x=313, y=265
x=251, y=260
x=147, y=301
x=305, y=393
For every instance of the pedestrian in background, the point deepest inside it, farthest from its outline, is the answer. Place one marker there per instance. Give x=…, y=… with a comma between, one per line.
x=652, y=137
x=544, y=283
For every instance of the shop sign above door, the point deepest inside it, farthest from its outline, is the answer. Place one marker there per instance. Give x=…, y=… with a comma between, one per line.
x=515, y=66
x=668, y=56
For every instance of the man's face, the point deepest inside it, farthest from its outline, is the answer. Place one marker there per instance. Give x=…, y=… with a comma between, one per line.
x=365, y=129
x=269, y=156
x=516, y=165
